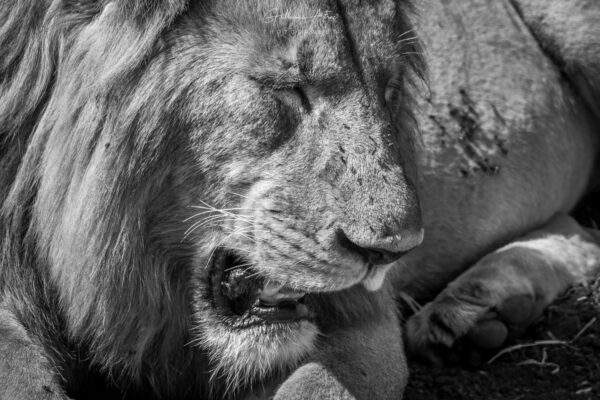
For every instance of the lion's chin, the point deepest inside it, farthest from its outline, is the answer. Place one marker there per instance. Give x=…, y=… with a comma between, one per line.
x=242, y=357
x=253, y=328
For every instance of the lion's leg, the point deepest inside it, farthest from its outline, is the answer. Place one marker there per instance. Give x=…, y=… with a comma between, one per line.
x=366, y=362
x=506, y=290
x=362, y=359
x=25, y=373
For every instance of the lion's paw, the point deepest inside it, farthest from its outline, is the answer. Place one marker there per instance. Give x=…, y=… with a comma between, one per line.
x=461, y=329
x=495, y=300
x=502, y=294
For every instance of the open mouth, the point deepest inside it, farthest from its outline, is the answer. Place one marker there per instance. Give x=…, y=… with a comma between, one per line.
x=239, y=291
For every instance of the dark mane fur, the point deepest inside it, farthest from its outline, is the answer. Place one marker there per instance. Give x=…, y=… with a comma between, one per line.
x=36, y=39
x=56, y=76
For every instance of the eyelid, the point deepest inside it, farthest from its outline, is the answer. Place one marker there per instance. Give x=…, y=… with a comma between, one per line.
x=303, y=97
x=294, y=96
x=393, y=87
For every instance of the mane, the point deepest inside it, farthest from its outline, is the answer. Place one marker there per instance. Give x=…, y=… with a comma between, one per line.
x=74, y=107
x=56, y=103
x=37, y=41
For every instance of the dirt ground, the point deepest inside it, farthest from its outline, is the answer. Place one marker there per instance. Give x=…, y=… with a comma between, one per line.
x=567, y=367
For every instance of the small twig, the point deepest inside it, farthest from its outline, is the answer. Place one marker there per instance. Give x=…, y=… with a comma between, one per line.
x=542, y=363
x=586, y=390
x=530, y=361
x=585, y=328
x=553, y=342
x=526, y=345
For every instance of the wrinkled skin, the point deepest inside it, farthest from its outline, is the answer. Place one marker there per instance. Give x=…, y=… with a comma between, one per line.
x=142, y=142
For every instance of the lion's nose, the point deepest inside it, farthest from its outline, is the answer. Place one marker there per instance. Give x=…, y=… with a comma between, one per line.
x=383, y=250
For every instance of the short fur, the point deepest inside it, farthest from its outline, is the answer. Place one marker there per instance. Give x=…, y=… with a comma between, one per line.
x=511, y=146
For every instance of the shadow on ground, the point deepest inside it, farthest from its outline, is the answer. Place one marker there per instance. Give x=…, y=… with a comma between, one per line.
x=567, y=367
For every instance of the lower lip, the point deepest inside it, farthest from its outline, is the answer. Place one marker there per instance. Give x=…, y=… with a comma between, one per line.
x=290, y=313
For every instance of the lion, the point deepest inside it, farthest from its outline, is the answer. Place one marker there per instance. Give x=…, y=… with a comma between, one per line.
x=205, y=199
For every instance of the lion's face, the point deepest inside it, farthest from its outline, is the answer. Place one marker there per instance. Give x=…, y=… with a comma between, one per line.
x=262, y=152
x=302, y=181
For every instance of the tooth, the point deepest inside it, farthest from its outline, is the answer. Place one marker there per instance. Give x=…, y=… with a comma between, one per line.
x=290, y=294
x=271, y=288
x=273, y=292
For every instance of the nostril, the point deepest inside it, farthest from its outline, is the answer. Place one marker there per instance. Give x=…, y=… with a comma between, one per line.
x=374, y=256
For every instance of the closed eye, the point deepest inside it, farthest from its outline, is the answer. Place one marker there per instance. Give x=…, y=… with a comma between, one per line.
x=294, y=97
x=392, y=92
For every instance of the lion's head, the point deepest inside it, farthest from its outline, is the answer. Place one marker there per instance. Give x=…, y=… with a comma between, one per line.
x=197, y=172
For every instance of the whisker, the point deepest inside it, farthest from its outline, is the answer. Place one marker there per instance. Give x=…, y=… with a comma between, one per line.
x=204, y=222
x=238, y=217
x=198, y=214
x=255, y=274
x=222, y=209
x=212, y=253
x=239, y=266
x=222, y=212
x=405, y=33
x=222, y=217
x=240, y=195
x=408, y=39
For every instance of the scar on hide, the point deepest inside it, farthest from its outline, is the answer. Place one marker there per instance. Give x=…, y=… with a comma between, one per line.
x=463, y=131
